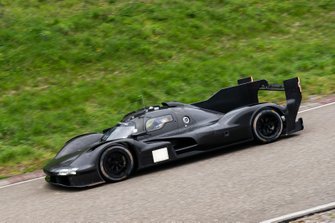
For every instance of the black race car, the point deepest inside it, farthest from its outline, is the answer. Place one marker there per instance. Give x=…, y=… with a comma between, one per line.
x=159, y=134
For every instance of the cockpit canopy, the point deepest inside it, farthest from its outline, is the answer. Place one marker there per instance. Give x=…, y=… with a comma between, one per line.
x=156, y=123
x=126, y=129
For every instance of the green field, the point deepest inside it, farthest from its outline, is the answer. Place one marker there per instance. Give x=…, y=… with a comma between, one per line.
x=75, y=66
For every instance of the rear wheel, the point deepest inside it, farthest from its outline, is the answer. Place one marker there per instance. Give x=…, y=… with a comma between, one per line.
x=267, y=126
x=116, y=163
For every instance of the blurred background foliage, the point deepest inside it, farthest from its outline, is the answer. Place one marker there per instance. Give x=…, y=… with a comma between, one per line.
x=74, y=66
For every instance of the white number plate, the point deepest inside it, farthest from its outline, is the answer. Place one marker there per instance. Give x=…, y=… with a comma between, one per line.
x=160, y=155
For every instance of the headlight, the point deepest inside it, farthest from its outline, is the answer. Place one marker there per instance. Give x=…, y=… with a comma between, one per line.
x=67, y=171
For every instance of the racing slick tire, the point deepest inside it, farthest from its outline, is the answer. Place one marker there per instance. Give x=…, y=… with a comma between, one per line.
x=267, y=126
x=116, y=163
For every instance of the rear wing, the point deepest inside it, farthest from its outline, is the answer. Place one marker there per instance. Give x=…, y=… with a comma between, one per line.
x=246, y=93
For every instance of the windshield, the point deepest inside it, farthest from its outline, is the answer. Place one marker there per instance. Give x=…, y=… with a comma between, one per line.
x=121, y=131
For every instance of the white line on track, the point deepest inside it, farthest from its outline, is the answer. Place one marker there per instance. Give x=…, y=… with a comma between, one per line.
x=317, y=107
x=22, y=182
x=26, y=181
x=299, y=214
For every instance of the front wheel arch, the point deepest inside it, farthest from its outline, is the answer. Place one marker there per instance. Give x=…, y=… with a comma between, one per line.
x=132, y=150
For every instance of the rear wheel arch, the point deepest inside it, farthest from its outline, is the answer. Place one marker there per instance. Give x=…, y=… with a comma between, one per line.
x=277, y=108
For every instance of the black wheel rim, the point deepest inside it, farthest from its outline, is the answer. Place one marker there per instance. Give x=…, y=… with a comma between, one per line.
x=268, y=126
x=116, y=164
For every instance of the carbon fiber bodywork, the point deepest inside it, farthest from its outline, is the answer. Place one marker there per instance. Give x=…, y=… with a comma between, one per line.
x=223, y=120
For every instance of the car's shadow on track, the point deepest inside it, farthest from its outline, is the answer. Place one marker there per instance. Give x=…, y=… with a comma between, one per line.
x=176, y=163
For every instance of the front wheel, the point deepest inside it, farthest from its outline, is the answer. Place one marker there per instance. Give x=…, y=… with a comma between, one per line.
x=267, y=126
x=116, y=163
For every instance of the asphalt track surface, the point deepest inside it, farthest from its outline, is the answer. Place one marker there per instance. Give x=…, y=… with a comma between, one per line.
x=248, y=183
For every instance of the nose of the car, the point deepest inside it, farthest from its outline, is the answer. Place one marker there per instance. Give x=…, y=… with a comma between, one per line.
x=61, y=162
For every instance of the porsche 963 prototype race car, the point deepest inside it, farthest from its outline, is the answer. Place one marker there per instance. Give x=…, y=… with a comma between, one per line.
x=174, y=130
